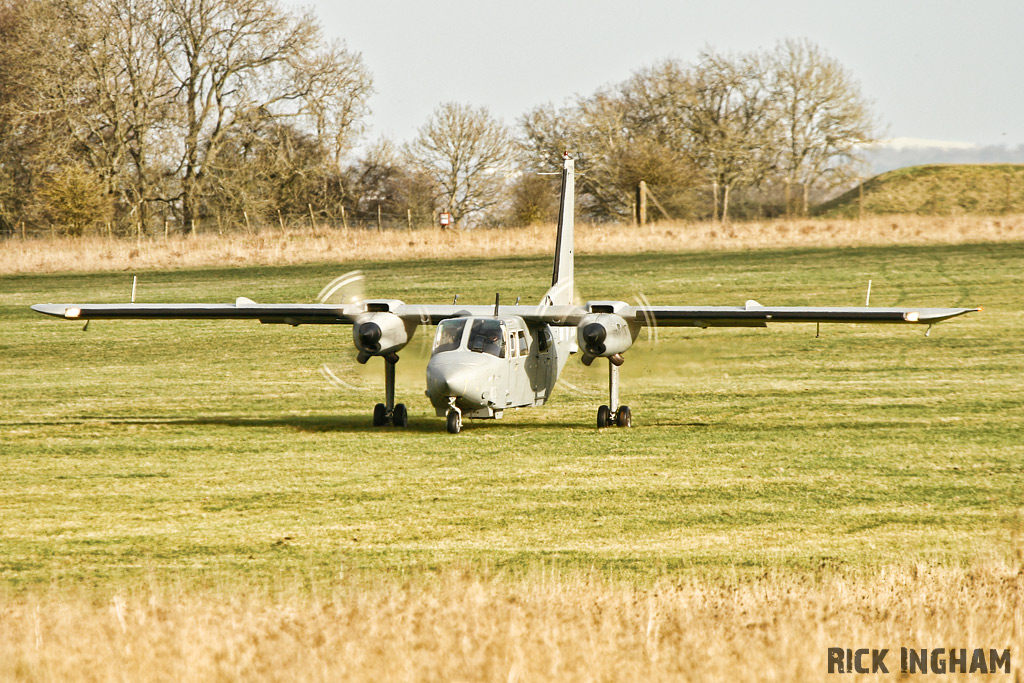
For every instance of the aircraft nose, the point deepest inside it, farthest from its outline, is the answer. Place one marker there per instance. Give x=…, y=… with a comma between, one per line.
x=458, y=379
x=450, y=380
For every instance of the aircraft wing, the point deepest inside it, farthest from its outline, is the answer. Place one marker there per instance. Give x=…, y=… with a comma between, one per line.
x=665, y=316
x=243, y=309
x=760, y=316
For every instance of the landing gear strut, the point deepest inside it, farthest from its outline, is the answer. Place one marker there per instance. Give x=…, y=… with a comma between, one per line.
x=613, y=414
x=387, y=412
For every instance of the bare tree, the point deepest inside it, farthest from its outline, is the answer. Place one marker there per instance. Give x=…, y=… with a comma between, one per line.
x=621, y=136
x=16, y=87
x=266, y=166
x=147, y=94
x=382, y=179
x=468, y=155
x=732, y=124
x=235, y=57
x=113, y=88
x=824, y=119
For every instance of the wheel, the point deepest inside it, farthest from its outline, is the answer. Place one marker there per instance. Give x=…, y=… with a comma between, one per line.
x=623, y=418
x=380, y=415
x=454, y=422
x=603, y=416
x=400, y=418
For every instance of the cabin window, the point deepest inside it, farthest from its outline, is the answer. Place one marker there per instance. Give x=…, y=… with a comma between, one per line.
x=449, y=335
x=524, y=348
x=487, y=336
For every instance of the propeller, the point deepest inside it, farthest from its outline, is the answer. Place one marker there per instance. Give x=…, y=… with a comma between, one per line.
x=346, y=290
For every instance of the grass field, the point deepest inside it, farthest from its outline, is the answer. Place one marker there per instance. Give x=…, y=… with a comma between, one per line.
x=935, y=190
x=200, y=486
x=302, y=245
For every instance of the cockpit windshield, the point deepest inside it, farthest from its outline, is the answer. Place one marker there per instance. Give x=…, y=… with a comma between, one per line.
x=449, y=335
x=487, y=336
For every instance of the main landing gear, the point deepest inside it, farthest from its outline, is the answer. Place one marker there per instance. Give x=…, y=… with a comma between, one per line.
x=613, y=414
x=388, y=412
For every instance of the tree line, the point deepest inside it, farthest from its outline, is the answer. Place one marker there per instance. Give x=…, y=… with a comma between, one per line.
x=142, y=116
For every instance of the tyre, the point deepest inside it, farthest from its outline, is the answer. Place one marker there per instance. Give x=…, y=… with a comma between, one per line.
x=623, y=418
x=454, y=422
x=603, y=416
x=380, y=415
x=401, y=416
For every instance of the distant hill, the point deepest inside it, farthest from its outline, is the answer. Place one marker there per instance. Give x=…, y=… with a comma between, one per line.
x=936, y=190
x=898, y=153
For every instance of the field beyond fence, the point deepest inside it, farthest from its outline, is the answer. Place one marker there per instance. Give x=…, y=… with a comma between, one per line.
x=307, y=245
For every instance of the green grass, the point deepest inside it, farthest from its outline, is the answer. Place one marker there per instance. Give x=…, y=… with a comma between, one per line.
x=215, y=453
x=936, y=190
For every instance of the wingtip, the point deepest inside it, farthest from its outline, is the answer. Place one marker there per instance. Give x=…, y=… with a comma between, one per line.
x=50, y=309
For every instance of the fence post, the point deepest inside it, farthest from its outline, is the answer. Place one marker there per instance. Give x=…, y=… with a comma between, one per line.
x=312, y=223
x=378, y=218
x=641, y=203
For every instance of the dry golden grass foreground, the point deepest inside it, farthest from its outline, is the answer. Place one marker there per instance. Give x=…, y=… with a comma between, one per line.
x=291, y=246
x=459, y=626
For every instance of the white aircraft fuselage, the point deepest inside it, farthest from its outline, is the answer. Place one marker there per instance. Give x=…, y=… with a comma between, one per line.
x=482, y=365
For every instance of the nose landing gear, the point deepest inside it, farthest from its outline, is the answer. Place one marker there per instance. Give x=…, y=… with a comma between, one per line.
x=454, y=420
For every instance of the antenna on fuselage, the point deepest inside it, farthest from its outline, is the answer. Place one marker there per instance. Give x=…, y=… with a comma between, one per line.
x=496, y=298
x=455, y=300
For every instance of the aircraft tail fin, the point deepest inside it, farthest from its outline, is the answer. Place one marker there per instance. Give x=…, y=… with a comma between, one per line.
x=562, y=285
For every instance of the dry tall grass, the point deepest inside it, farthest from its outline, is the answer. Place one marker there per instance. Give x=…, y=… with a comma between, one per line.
x=461, y=627
x=277, y=247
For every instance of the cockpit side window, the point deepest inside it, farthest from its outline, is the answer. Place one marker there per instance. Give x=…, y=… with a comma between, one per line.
x=524, y=347
x=449, y=335
x=487, y=336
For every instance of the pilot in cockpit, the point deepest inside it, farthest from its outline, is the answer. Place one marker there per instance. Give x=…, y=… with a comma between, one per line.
x=450, y=337
x=492, y=341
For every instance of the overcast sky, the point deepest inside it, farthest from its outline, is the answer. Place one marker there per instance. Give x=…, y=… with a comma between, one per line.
x=935, y=70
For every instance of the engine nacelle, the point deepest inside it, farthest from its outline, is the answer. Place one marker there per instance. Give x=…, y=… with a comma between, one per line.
x=604, y=335
x=379, y=334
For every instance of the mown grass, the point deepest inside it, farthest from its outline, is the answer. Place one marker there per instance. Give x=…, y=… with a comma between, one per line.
x=214, y=453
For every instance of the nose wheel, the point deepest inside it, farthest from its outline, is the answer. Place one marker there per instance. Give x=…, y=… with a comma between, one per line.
x=454, y=421
x=613, y=415
x=389, y=413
